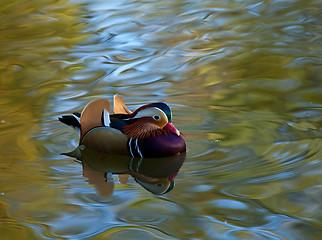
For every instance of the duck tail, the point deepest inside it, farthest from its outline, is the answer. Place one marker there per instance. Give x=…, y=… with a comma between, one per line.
x=72, y=120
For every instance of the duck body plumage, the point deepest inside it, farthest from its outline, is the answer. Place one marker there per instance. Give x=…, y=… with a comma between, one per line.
x=163, y=145
x=147, y=132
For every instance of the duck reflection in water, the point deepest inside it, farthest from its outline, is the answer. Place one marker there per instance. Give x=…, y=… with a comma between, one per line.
x=156, y=175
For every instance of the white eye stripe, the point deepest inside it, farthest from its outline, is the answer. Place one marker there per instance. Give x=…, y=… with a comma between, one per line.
x=151, y=112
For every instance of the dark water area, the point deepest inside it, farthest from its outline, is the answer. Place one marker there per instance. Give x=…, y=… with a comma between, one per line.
x=243, y=79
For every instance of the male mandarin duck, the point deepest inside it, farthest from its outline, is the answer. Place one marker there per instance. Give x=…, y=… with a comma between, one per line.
x=146, y=132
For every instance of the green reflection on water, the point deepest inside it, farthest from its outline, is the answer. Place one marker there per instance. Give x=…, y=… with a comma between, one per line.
x=244, y=82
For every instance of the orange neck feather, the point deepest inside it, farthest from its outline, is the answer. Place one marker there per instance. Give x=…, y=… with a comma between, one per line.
x=143, y=128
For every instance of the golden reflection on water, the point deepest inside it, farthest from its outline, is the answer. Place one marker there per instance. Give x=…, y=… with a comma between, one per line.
x=35, y=37
x=242, y=78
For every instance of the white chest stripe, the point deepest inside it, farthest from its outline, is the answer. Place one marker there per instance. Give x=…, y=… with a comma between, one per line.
x=137, y=148
x=130, y=147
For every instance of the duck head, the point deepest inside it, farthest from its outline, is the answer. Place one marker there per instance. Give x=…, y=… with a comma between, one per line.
x=150, y=120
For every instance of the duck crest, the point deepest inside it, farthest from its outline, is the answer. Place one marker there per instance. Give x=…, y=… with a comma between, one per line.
x=162, y=106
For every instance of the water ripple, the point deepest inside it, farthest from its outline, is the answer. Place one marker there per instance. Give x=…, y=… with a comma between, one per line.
x=242, y=78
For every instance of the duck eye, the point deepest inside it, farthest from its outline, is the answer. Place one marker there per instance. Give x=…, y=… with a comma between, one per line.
x=156, y=117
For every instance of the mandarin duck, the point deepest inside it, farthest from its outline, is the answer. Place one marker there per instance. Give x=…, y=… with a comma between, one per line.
x=146, y=132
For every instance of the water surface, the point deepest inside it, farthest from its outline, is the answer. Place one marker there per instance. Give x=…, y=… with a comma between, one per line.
x=243, y=79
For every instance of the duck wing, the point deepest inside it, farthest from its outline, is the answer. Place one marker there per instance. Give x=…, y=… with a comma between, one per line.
x=95, y=114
